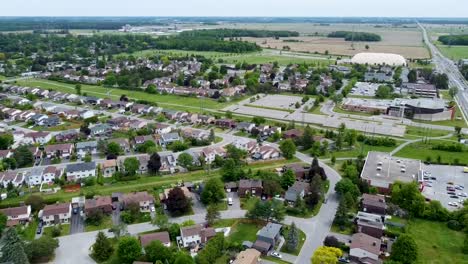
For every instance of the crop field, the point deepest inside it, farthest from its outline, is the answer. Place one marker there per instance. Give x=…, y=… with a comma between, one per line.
x=452, y=52
x=405, y=40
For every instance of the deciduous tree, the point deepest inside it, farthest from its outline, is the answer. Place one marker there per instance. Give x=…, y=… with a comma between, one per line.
x=128, y=250
x=404, y=249
x=288, y=148
x=326, y=255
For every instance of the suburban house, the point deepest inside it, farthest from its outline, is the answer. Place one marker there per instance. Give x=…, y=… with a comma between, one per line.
x=245, y=126
x=210, y=153
x=374, y=204
x=169, y=138
x=163, y=128
x=108, y=168
x=266, y=152
x=11, y=176
x=248, y=256
x=59, y=150
x=98, y=203
x=51, y=173
x=17, y=215
x=34, y=176
x=293, y=133
x=225, y=123
x=231, y=186
x=364, y=249
x=143, y=199
x=77, y=171
x=122, y=142
x=299, y=170
x=191, y=236
x=83, y=148
x=162, y=237
x=165, y=194
x=37, y=138
x=370, y=224
x=298, y=189
x=267, y=237
x=250, y=187
x=139, y=140
x=59, y=213
x=67, y=135
x=100, y=130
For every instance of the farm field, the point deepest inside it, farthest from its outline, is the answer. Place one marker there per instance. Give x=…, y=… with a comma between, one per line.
x=453, y=52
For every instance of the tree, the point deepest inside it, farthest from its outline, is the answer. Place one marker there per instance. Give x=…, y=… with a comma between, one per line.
x=384, y=92
x=177, y=203
x=412, y=76
x=78, y=89
x=183, y=258
x=151, y=89
x=119, y=230
x=465, y=246
x=6, y=140
x=3, y=222
x=453, y=91
x=212, y=137
x=331, y=241
x=408, y=197
x=345, y=185
x=154, y=163
x=288, y=148
x=367, y=47
x=94, y=217
x=13, y=250
x=156, y=251
x=267, y=211
x=161, y=220
x=326, y=255
x=212, y=214
x=287, y=179
x=213, y=192
x=404, y=249
x=341, y=215
x=458, y=130
x=42, y=249
x=132, y=165
x=128, y=249
x=35, y=201
x=235, y=153
x=185, y=160
x=257, y=120
x=178, y=146
x=113, y=148
x=292, y=239
x=307, y=139
x=23, y=156
x=231, y=171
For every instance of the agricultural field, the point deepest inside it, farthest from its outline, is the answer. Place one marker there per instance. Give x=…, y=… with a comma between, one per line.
x=405, y=40
x=452, y=52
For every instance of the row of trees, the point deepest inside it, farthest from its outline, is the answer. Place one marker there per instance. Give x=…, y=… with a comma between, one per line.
x=355, y=36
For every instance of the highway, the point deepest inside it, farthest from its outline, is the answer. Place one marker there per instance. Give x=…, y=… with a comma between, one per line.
x=447, y=66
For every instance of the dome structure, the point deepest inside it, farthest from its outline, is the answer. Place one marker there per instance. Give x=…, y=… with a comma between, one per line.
x=379, y=59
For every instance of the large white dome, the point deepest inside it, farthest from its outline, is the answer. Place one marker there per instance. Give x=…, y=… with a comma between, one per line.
x=379, y=59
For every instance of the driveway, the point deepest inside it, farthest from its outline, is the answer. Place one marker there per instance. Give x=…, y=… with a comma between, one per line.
x=116, y=213
x=235, y=201
x=77, y=224
x=197, y=206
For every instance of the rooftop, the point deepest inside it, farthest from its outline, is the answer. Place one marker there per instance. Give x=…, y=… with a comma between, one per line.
x=163, y=237
x=366, y=242
x=271, y=230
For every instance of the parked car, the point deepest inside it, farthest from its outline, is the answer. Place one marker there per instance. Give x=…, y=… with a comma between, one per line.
x=276, y=255
x=434, y=178
x=230, y=202
x=451, y=193
x=453, y=196
x=343, y=260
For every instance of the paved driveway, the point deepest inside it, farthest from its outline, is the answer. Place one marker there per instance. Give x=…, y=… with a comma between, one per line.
x=77, y=224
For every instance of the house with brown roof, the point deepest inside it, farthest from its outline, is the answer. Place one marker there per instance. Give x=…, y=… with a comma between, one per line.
x=17, y=215
x=248, y=256
x=162, y=237
x=59, y=150
x=299, y=170
x=165, y=194
x=365, y=249
x=51, y=173
x=293, y=133
x=143, y=199
x=250, y=187
x=374, y=204
x=108, y=168
x=99, y=203
x=122, y=142
x=191, y=236
x=59, y=213
x=370, y=224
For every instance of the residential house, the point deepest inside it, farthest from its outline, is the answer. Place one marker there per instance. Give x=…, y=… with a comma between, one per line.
x=11, y=177
x=162, y=237
x=191, y=236
x=34, y=176
x=37, y=138
x=99, y=203
x=17, y=215
x=266, y=152
x=374, y=204
x=267, y=237
x=250, y=187
x=163, y=128
x=59, y=150
x=301, y=171
x=245, y=126
x=51, y=173
x=169, y=138
x=100, y=130
x=143, y=199
x=76, y=171
x=365, y=249
x=293, y=133
x=68, y=135
x=108, y=168
x=122, y=142
x=5, y=154
x=163, y=196
x=140, y=140
x=85, y=114
x=225, y=123
x=210, y=153
x=83, y=148
x=59, y=213
x=195, y=133
x=370, y=224
x=248, y=256
x=37, y=153
x=298, y=189
x=231, y=187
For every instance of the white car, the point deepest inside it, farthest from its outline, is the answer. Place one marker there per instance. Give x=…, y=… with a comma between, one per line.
x=152, y=209
x=453, y=204
x=276, y=255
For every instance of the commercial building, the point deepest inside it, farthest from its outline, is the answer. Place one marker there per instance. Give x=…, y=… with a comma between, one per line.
x=421, y=109
x=366, y=105
x=420, y=89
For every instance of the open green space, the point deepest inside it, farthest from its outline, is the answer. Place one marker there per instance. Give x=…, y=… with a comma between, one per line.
x=302, y=238
x=339, y=110
x=424, y=151
x=454, y=52
x=437, y=244
x=106, y=223
x=359, y=149
x=28, y=232
x=244, y=231
x=64, y=230
x=283, y=60
x=413, y=132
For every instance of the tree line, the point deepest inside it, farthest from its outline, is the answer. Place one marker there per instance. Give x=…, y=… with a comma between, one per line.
x=355, y=36
x=454, y=40
x=236, y=33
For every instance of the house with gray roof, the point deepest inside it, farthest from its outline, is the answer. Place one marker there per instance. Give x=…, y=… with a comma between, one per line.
x=82, y=148
x=100, y=130
x=267, y=237
x=77, y=171
x=169, y=138
x=298, y=189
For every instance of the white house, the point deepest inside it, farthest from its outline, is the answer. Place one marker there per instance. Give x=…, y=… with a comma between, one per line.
x=50, y=174
x=87, y=114
x=77, y=171
x=82, y=148
x=37, y=137
x=59, y=213
x=34, y=176
x=194, y=235
x=17, y=215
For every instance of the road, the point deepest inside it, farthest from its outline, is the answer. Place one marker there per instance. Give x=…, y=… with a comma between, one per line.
x=447, y=66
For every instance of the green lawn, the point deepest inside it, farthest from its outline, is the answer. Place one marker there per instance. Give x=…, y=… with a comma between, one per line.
x=454, y=52
x=418, y=132
x=358, y=149
x=65, y=230
x=422, y=151
x=302, y=238
x=29, y=232
x=248, y=203
x=244, y=231
x=437, y=244
x=106, y=223
x=348, y=230
x=342, y=111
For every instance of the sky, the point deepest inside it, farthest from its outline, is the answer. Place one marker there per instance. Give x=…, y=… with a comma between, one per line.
x=267, y=8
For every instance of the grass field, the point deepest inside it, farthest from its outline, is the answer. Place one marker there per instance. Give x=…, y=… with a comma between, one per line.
x=413, y=132
x=342, y=111
x=172, y=101
x=454, y=52
x=105, y=224
x=443, y=246
x=29, y=232
x=358, y=149
x=422, y=151
x=244, y=231
x=65, y=230
x=302, y=238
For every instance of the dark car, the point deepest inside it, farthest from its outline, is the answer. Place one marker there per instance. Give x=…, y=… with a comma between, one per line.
x=451, y=193
x=39, y=230
x=343, y=260
x=434, y=178
x=75, y=210
x=454, y=196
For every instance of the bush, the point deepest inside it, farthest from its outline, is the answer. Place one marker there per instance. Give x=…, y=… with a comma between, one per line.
x=454, y=225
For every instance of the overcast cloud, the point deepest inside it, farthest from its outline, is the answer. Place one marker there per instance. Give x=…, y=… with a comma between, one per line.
x=304, y=8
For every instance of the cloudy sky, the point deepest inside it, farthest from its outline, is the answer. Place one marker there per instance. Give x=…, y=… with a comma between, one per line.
x=305, y=8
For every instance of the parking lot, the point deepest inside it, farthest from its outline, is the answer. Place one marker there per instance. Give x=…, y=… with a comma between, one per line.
x=280, y=101
x=364, y=89
x=445, y=176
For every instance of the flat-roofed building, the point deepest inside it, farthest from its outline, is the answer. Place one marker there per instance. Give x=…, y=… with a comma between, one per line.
x=366, y=105
x=425, y=90
x=421, y=109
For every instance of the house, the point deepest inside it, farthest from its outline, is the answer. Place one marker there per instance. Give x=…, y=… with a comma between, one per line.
x=11, y=177
x=76, y=171
x=143, y=199
x=88, y=147
x=85, y=114
x=99, y=203
x=195, y=133
x=191, y=236
x=231, y=186
x=163, y=196
x=59, y=213
x=225, y=123
x=169, y=138
x=374, y=204
x=162, y=237
x=370, y=224
x=267, y=237
x=364, y=249
x=266, y=152
x=100, y=130
x=245, y=126
x=122, y=142
x=248, y=256
x=5, y=154
x=140, y=140
x=37, y=138
x=51, y=173
x=108, y=168
x=34, y=176
x=298, y=189
x=301, y=171
x=210, y=153
x=68, y=135
x=17, y=215
x=293, y=133
x=250, y=187
x=163, y=128
x=59, y=150
x=37, y=153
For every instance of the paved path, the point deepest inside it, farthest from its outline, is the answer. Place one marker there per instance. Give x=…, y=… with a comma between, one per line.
x=400, y=147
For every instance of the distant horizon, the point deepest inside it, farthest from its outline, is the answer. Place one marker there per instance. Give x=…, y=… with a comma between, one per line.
x=210, y=16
